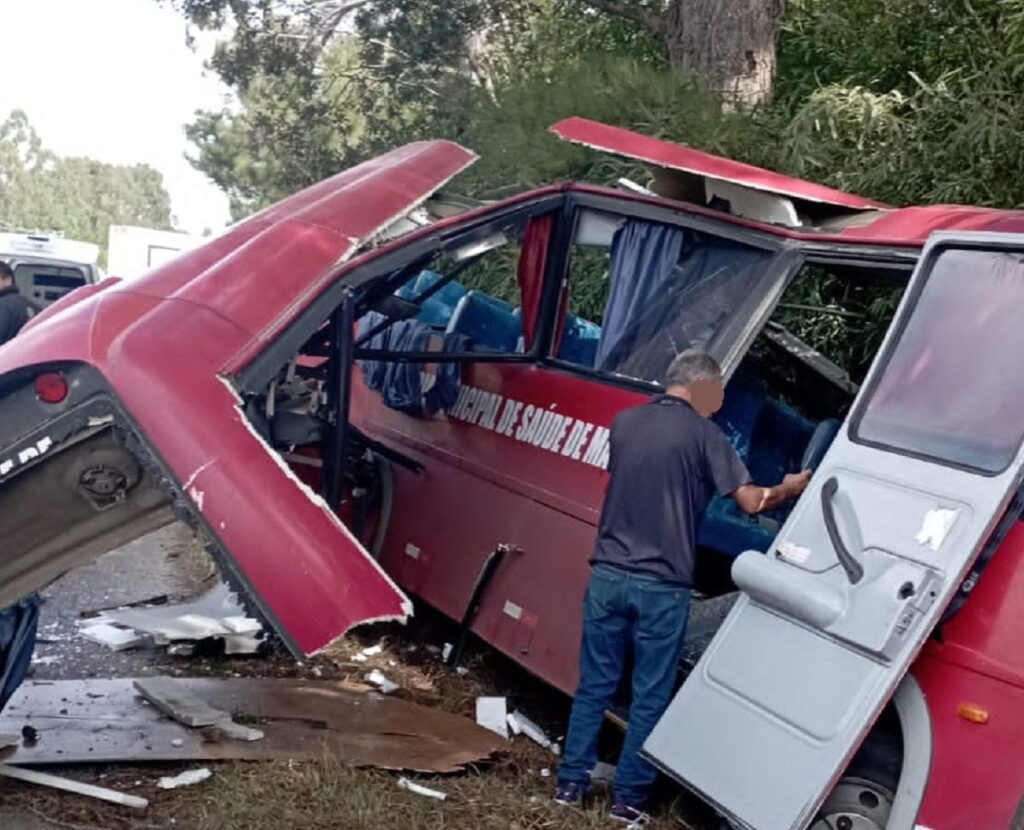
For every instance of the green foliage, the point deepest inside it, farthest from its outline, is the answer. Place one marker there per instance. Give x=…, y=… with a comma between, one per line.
x=565, y=32
x=849, y=337
x=588, y=279
x=882, y=45
x=957, y=140
x=294, y=128
x=79, y=197
x=913, y=102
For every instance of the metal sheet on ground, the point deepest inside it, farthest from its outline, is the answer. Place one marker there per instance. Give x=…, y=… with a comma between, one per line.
x=91, y=721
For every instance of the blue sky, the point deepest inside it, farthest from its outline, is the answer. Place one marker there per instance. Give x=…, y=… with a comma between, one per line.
x=114, y=80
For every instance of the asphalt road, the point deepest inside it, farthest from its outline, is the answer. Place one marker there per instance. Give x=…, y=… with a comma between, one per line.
x=163, y=563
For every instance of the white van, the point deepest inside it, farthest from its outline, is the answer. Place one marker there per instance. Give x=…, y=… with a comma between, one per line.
x=132, y=251
x=47, y=266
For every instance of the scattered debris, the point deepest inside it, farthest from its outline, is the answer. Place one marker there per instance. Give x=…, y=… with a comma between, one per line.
x=241, y=644
x=159, y=599
x=360, y=658
x=237, y=731
x=545, y=773
x=178, y=702
x=217, y=614
x=181, y=649
x=113, y=637
x=492, y=713
x=185, y=779
x=372, y=651
x=378, y=679
x=48, y=660
x=522, y=725
x=241, y=625
x=302, y=720
x=44, y=779
x=419, y=789
x=446, y=652
x=185, y=707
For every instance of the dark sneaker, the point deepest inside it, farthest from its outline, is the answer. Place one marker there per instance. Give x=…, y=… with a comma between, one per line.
x=570, y=794
x=624, y=814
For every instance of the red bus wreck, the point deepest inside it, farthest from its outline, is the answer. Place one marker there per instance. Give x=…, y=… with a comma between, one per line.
x=368, y=391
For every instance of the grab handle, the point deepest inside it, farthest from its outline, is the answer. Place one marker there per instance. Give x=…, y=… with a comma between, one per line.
x=854, y=570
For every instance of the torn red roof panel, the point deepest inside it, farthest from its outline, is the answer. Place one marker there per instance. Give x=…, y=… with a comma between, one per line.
x=660, y=153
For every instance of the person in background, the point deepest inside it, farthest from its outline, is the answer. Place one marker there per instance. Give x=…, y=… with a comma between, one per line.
x=666, y=461
x=15, y=310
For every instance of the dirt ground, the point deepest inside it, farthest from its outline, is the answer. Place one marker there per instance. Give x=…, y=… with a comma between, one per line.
x=512, y=791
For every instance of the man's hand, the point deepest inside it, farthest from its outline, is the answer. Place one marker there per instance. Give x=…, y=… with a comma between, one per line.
x=754, y=499
x=796, y=483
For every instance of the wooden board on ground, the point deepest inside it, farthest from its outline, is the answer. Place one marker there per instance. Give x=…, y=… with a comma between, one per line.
x=179, y=702
x=99, y=721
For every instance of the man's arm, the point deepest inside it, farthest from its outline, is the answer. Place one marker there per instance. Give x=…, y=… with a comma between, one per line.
x=753, y=498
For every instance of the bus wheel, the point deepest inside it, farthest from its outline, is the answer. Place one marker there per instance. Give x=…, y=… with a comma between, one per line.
x=855, y=804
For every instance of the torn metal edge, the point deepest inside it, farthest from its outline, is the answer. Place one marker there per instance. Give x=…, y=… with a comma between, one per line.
x=318, y=501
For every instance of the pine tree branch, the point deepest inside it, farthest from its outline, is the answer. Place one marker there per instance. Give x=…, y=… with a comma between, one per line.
x=644, y=17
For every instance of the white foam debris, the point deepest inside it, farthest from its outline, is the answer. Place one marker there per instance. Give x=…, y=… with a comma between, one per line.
x=241, y=625
x=378, y=679
x=185, y=779
x=114, y=638
x=520, y=724
x=492, y=713
x=217, y=614
x=419, y=789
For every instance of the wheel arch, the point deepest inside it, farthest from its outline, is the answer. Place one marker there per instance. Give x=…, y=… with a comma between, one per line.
x=916, y=731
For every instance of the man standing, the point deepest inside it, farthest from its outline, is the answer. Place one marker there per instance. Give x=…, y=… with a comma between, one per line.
x=667, y=460
x=15, y=310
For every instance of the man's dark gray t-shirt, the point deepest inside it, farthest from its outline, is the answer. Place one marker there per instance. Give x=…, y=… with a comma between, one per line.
x=666, y=462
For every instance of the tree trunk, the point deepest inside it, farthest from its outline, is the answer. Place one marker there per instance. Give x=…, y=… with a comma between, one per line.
x=728, y=44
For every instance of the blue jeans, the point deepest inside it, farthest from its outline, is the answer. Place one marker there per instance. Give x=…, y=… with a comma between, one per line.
x=623, y=609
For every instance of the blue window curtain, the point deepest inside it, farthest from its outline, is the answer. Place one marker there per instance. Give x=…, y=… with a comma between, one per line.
x=643, y=256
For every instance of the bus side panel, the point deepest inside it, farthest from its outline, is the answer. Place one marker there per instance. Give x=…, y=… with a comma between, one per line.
x=977, y=770
x=534, y=611
x=520, y=463
x=977, y=776
x=444, y=524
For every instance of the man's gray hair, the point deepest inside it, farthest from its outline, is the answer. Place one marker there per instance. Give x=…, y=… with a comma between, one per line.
x=692, y=365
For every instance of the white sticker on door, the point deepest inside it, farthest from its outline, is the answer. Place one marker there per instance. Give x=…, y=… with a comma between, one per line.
x=935, y=527
x=797, y=554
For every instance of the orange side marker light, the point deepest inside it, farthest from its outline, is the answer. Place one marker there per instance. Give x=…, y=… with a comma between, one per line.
x=973, y=712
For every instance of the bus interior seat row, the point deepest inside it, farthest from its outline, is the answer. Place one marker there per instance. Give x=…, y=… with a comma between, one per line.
x=491, y=323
